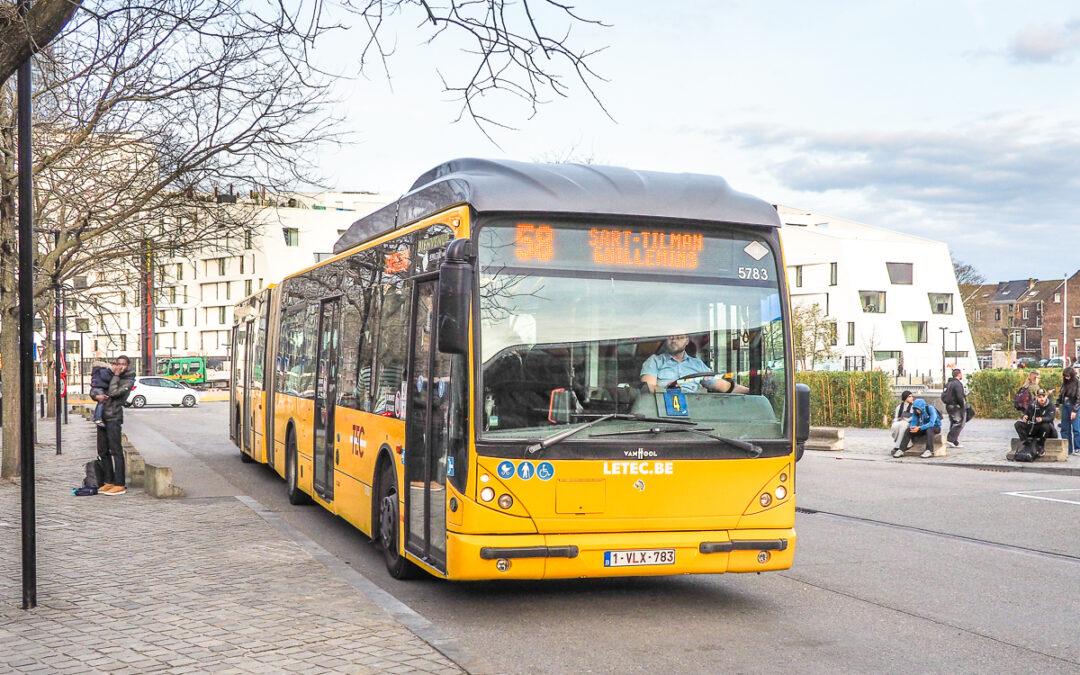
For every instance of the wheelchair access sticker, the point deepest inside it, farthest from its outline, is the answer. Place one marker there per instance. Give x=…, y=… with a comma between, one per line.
x=675, y=403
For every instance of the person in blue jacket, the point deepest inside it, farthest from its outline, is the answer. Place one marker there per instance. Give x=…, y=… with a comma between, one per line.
x=925, y=422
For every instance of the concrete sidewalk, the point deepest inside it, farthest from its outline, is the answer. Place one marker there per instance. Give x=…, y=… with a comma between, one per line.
x=134, y=584
x=984, y=442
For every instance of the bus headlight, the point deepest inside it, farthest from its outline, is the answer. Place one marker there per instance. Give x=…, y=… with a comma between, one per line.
x=505, y=501
x=766, y=499
x=781, y=492
x=487, y=494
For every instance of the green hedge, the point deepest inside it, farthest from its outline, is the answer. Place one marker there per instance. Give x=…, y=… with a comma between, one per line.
x=992, y=390
x=849, y=399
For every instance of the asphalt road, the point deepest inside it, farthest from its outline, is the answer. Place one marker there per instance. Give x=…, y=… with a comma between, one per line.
x=900, y=568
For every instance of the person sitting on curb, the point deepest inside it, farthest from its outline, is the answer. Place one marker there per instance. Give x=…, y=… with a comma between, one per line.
x=925, y=422
x=1026, y=394
x=1035, y=427
x=900, y=418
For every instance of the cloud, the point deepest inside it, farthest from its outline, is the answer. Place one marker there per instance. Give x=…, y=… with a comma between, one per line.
x=993, y=189
x=1046, y=43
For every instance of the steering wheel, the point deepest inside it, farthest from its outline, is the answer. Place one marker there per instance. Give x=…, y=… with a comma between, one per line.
x=674, y=384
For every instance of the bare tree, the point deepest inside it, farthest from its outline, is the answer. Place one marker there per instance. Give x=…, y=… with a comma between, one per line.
x=966, y=274
x=142, y=110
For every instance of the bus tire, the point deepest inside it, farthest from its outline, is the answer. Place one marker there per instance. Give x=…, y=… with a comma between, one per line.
x=389, y=525
x=297, y=497
x=246, y=458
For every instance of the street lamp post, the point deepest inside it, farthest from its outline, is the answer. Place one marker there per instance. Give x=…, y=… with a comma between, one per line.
x=955, y=348
x=26, y=332
x=943, y=331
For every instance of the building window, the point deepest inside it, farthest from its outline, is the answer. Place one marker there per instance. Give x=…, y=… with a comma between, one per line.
x=221, y=315
x=832, y=274
x=79, y=282
x=1025, y=312
x=832, y=334
x=914, y=331
x=886, y=355
x=161, y=317
x=1057, y=297
x=247, y=287
x=851, y=333
x=1053, y=348
x=221, y=266
x=179, y=317
x=997, y=314
x=228, y=290
x=179, y=271
x=978, y=315
x=292, y=236
x=900, y=274
x=172, y=294
x=241, y=264
x=956, y=355
x=247, y=239
x=123, y=342
x=185, y=340
x=1076, y=322
x=873, y=302
x=123, y=298
x=940, y=303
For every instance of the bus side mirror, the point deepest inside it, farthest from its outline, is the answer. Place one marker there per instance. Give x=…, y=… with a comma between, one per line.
x=802, y=418
x=455, y=293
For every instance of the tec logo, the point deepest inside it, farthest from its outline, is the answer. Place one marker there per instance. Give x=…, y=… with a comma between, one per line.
x=359, y=443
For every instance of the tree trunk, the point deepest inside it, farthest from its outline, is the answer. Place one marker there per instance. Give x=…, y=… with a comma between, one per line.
x=9, y=324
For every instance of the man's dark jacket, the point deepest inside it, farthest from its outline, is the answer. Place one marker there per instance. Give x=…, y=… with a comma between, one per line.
x=954, y=396
x=118, y=393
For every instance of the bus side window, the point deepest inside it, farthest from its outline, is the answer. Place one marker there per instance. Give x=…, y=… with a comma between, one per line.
x=391, y=354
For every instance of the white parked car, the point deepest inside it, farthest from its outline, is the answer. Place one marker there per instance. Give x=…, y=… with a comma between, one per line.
x=162, y=391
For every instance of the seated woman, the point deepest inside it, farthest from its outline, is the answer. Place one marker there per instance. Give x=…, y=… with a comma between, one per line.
x=900, y=418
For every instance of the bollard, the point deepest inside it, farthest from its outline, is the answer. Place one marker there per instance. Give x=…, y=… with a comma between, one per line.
x=41, y=397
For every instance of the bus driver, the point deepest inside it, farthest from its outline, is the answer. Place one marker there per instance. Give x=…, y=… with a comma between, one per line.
x=672, y=362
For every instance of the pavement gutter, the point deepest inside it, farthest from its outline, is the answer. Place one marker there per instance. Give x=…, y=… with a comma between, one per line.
x=399, y=611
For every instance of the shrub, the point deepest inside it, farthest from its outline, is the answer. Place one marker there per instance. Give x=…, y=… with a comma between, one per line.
x=992, y=390
x=849, y=399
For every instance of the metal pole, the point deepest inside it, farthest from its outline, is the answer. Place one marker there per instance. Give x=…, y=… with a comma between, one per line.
x=82, y=366
x=56, y=340
x=943, y=330
x=26, y=336
x=1065, y=320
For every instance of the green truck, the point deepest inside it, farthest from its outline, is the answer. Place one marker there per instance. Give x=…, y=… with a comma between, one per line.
x=203, y=372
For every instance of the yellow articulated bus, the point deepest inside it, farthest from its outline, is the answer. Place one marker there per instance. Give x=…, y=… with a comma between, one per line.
x=538, y=371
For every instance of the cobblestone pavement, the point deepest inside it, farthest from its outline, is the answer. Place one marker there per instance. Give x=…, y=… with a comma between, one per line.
x=984, y=442
x=133, y=584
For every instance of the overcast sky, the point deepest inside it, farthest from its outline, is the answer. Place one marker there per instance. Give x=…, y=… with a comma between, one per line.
x=956, y=120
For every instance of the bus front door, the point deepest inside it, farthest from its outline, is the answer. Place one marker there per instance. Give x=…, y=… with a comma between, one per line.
x=248, y=412
x=326, y=367
x=426, y=435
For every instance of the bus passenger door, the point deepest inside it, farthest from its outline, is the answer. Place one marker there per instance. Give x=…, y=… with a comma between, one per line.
x=426, y=437
x=326, y=365
x=248, y=411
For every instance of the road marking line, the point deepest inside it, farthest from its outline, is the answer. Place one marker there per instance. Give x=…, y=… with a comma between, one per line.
x=1037, y=494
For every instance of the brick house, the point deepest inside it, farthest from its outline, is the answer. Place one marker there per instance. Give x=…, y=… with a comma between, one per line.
x=1061, y=321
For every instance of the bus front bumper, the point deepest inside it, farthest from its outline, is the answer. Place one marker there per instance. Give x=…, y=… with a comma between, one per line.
x=616, y=554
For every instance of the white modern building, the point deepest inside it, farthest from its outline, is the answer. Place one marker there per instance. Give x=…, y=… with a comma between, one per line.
x=195, y=297
x=892, y=296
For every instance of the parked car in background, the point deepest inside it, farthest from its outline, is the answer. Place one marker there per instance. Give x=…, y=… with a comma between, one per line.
x=1027, y=362
x=162, y=391
x=1056, y=362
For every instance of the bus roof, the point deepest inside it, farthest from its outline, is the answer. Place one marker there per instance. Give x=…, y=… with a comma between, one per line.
x=580, y=189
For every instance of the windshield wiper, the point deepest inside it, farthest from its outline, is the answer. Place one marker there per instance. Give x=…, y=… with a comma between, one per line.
x=567, y=433
x=751, y=449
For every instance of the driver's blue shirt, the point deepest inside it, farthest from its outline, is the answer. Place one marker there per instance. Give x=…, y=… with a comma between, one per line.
x=665, y=368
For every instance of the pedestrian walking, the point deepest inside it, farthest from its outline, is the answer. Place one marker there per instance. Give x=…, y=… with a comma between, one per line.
x=925, y=423
x=109, y=447
x=1036, y=426
x=900, y=418
x=1069, y=400
x=955, y=399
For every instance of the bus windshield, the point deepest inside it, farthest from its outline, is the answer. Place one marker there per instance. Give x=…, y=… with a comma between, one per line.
x=573, y=315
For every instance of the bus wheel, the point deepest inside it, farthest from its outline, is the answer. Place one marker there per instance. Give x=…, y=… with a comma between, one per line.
x=246, y=458
x=389, y=526
x=296, y=495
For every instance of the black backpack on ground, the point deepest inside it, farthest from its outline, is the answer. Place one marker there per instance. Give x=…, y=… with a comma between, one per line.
x=95, y=474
